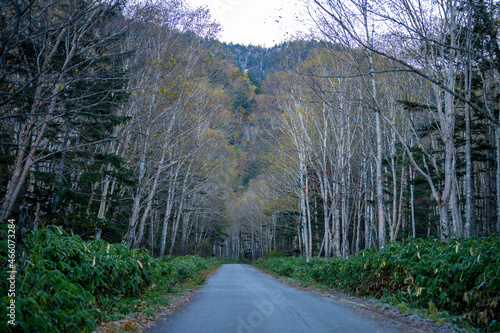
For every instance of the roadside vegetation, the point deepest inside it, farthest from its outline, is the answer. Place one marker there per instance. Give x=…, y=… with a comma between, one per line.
x=457, y=282
x=66, y=284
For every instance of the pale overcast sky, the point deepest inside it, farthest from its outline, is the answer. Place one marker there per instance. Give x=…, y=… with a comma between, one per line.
x=257, y=22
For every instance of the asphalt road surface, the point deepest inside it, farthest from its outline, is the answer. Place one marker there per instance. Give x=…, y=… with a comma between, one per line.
x=240, y=299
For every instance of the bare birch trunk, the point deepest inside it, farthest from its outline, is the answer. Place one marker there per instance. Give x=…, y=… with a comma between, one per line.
x=455, y=210
x=412, y=204
x=470, y=208
x=378, y=129
x=401, y=198
x=336, y=222
x=182, y=199
x=136, y=207
x=345, y=213
x=380, y=185
x=393, y=221
x=368, y=210
x=149, y=201
x=168, y=212
x=358, y=229
x=448, y=128
x=309, y=222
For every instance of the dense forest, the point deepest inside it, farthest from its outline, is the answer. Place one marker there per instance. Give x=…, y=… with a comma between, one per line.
x=130, y=121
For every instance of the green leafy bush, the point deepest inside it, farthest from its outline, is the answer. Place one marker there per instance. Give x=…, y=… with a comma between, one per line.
x=66, y=284
x=276, y=254
x=462, y=277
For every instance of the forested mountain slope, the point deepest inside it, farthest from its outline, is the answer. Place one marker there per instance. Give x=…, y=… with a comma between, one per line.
x=259, y=62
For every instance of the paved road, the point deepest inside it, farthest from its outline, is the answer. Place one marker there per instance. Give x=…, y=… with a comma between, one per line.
x=240, y=299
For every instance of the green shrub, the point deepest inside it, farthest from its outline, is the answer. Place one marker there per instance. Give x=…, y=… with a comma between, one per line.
x=276, y=254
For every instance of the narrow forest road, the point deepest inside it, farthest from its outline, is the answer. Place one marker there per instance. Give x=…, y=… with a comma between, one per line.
x=241, y=299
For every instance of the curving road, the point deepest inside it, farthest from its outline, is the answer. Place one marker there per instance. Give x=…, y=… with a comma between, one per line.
x=240, y=299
